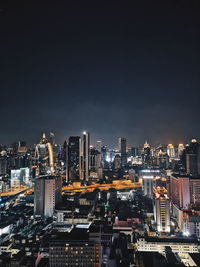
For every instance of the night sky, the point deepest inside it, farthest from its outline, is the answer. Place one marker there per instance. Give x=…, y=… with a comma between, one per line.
x=114, y=71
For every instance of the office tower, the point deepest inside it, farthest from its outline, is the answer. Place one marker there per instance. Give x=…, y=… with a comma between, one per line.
x=191, y=164
x=180, y=149
x=117, y=162
x=74, y=249
x=146, y=154
x=95, y=159
x=171, y=151
x=73, y=158
x=162, y=209
x=103, y=153
x=85, y=156
x=180, y=191
x=122, y=150
x=134, y=152
x=3, y=164
x=22, y=148
x=148, y=183
x=47, y=194
x=44, y=158
x=163, y=160
x=190, y=158
x=99, y=146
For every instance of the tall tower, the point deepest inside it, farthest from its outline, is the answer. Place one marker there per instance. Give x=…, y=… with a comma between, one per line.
x=44, y=157
x=162, y=209
x=47, y=194
x=122, y=150
x=73, y=158
x=170, y=151
x=180, y=149
x=85, y=156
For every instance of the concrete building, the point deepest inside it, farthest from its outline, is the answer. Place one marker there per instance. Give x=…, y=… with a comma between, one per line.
x=85, y=156
x=47, y=195
x=161, y=209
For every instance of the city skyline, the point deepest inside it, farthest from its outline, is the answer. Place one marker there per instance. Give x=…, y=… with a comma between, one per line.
x=113, y=71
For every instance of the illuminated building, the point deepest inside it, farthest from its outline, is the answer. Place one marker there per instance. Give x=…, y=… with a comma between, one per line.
x=148, y=177
x=20, y=177
x=122, y=150
x=73, y=158
x=22, y=148
x=180, y=191
x=191, y=223
x=146, y=154
x=3, y=163
x=163, y=160
x=117, y=162
x=44, y=157
x=85, y=156
x=178, y=245
x=191, y=164
x=185, y=195
x=180, y=149
x=47, y=194
x=162, y=209
x=171, y=151
x=99, y=146
x=74, y=250
x=190, y=159
x=103, y=153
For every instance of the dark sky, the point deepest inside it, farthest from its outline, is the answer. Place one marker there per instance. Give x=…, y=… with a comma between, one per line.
x=114, y=70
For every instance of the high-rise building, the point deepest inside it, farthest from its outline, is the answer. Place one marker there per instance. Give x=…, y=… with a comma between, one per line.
x=117, y=162
x=162, y=209
x=99, y=146
x=171, y=151
x=44, y=157
x=47, y=194
x=122, y=150
x=190, y=158
x=95, y=159
x=146, y=154
x=180, y=149
x=191, y=164
x=85, y=156
x=73, y=158
x=180, y=191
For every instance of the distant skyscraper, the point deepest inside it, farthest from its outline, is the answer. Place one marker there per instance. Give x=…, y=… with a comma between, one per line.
x=180, y=149
x=122, y=150
x=171, y=151
x=73, y=158
x=99, y=146
x=47, y=194
x=162, y=209
x=191, y=164
x=117, y=162
x=44, y=157
x=85, y=156
x=147, y=154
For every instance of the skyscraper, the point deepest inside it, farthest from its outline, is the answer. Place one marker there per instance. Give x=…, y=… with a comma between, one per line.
x=180, y=149
x=85, y=156
x=170, y=151
x=162, y=209
x=122, y=150
x=73, y=158
x=44, y=158
x=47, y=194
x=99, y=145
